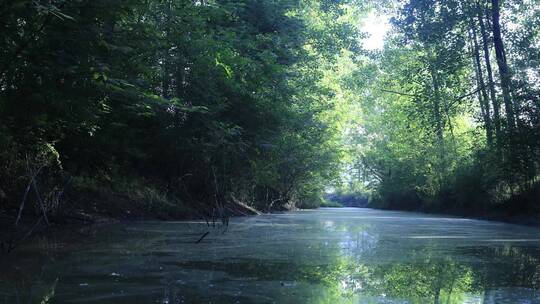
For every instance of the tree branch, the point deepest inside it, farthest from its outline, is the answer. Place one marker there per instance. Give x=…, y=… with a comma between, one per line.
x=400, y=93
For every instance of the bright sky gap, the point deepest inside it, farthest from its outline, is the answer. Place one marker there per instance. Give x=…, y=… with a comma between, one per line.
x=376, y=26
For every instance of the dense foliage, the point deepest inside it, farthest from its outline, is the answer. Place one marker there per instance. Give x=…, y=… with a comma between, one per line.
x=451, y=108
x=166, y=103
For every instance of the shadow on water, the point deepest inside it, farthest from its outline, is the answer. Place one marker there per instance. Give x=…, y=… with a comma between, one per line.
x=326, y=256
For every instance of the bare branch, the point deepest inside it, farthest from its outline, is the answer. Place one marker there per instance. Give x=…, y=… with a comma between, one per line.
x=400, y=93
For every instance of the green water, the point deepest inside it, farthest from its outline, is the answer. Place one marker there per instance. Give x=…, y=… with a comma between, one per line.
x=321, y=256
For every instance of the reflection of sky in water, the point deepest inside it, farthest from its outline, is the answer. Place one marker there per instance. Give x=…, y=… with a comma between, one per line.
x=324, y=256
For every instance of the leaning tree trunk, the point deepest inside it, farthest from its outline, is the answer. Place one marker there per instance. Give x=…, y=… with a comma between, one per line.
x=483, y=96
x=504, y=71
x=489, y=70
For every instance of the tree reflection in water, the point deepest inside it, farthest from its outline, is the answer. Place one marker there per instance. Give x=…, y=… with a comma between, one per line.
x=313, y=257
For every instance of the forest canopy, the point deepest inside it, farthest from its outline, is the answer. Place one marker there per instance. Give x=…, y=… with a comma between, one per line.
x=166, y=106
x=451, y=108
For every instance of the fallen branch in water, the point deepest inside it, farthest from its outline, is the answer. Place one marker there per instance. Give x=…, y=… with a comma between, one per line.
x=31, y=183
x=202, y=237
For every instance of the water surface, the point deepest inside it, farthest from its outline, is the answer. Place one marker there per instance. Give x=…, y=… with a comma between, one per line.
x=320, y=256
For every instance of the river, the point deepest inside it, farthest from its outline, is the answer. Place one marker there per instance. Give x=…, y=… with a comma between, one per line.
x=319, y=256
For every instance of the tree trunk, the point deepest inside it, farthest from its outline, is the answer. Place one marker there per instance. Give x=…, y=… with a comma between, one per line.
x=482, y=96
x=504, y=72
x=489, y=70
x=166, y=65
x=436, y=102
